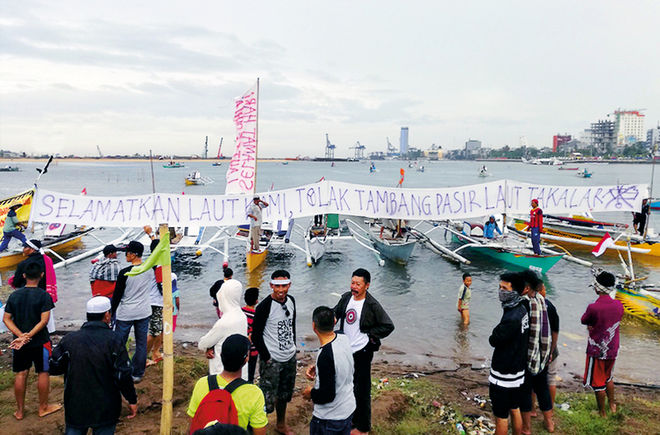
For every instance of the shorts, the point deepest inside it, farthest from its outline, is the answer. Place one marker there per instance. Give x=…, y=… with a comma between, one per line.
x=174, y=322
x=538, y=384
x=156, y=321
x=277, y=380
x=503, y=399
x=24, y=358
x=598, y=372
x=552, y=372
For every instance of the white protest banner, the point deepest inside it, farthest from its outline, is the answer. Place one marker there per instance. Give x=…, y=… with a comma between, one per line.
x=242, y=168
x=461, y=202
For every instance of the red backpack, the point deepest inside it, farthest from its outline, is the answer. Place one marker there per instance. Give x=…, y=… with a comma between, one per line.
x=217, y=405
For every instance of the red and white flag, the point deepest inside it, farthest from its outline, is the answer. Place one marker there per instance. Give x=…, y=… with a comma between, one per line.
x=604, y=243
x=84, y=191
x=241, y=175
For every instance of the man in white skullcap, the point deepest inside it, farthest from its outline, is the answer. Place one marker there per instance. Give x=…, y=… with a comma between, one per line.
x=98, y=373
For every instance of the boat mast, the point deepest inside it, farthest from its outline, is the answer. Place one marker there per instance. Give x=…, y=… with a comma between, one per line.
x=256, y=141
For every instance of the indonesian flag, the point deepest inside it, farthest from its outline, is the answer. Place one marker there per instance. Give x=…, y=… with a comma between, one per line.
x=604, y=243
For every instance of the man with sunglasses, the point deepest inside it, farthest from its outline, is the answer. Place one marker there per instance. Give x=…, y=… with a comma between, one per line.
x=274, y=336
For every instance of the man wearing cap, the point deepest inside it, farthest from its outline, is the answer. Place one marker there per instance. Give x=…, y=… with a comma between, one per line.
x=536, y=226
x=365, y=322
x=248, y=398
x=254, y=213
x=132, y=308
x=602, y=319
x=274, y=336
x=103, y=275
x=97, y=373
x=12, y=228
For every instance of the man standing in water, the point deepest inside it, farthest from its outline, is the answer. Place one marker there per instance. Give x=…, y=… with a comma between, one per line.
x=510, y=339
x=602, y=319
x=464, y=296
x=364, y=322
x=536, y=225
x=255, y=220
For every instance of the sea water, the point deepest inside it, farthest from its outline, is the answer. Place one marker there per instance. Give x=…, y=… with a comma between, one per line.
x=420, y=297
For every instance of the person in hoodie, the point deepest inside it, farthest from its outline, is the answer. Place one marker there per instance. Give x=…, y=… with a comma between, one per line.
x=490, y=227
x=233, y=321
x=510, y=338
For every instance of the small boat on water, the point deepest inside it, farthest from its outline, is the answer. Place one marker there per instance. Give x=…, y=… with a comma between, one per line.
x=640, y=301
x=372, y=168
x=565, y=168
x=172, y=164
x=323, y=232
x=584, y=173
x=217, y=164
x=195, y=179
x=9, y=168
x=420, y=169
x=511, y=250
x=392, y=240
x=483, y=172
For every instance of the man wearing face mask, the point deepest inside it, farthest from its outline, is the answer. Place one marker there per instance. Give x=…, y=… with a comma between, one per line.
x=507, y=370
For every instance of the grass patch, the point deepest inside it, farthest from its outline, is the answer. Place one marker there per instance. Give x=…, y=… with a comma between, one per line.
x=412, y=406
x=6, y=379
x=582, y=416
x=190, y=368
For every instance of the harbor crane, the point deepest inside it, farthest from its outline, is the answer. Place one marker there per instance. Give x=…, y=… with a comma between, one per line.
x=329, y=148
x=390, y=147
x=220, y=148
x=206, y=148
x=359, y=150
x=98, y=148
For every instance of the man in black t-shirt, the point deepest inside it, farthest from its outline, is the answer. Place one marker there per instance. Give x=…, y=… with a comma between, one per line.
x=26, y=316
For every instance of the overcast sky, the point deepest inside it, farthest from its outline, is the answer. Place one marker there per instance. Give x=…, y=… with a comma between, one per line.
x=129, y=76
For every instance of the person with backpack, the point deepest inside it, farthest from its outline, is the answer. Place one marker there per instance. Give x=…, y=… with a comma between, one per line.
x=226, y=398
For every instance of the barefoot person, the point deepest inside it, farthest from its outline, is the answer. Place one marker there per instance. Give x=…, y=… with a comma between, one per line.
x=602, y=319
x=274, y=336
x=510, y=339
x=254, y=213
x=26, y=316
x=365, y=323
x=464, y=296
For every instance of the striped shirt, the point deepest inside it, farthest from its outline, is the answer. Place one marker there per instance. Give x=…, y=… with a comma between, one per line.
x=106, y=270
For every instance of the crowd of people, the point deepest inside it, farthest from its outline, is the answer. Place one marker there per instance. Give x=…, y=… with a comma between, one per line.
x=251, y=334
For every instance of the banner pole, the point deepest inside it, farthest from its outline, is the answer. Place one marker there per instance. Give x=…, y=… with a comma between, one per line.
x=168, y=344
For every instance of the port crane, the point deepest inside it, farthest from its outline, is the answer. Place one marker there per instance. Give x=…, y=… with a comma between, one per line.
x=329, y=148
x=98, y=148
x=359, y=150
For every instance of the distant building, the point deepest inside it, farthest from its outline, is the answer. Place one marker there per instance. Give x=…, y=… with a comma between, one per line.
x=628, y=127
x=472, y=148
x=601, y=136
x=403, y=141
x=653, y=138
x=434, y=153
x=559, y=140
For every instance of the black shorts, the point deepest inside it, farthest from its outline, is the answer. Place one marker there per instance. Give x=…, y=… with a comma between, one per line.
x=539, y=385
x=503, y=400
x=24, y=358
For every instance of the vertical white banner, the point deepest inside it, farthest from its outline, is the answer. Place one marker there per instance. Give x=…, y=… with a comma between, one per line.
x=241, y=175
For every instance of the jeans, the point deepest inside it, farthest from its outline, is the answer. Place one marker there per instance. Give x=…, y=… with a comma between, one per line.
x=140, y=329
x=7, y=238
x=362, y=389
x=103, y=430
x=329, y=427
x=536, y=240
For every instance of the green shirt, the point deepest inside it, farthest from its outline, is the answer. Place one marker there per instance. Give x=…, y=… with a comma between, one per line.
x=464, y=295
x=248, y=398
x=10, y=222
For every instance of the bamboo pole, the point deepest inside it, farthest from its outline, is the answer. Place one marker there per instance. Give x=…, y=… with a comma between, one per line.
x=168, y=345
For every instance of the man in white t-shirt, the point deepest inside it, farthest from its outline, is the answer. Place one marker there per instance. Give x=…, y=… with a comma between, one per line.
x=364, y=322
x=254, y=213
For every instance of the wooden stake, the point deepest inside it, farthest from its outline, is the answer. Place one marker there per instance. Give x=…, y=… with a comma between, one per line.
x=168, y=344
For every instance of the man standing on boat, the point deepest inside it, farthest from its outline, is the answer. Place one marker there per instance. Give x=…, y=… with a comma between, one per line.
x=12, y=228
x=536, y=226
x=364, y=322
x=602, y=319
x=639, y=219
x=254, y=213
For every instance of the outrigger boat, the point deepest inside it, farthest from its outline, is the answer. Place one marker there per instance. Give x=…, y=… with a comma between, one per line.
x=577, y=230
x=196, y=179
x=9, y=168
x=318, y=237
x=584, y=173
x=172, y=164
x=393, y=241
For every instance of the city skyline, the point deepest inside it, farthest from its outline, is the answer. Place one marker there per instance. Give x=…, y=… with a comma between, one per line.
x=130, y=78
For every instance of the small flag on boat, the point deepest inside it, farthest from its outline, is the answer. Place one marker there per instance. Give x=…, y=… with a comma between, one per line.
x=84, y=191
x=604, y=243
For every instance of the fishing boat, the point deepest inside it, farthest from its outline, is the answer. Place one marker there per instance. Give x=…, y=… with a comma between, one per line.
x=483, y=172
x=508, y=249
x=420, y=168
x=640, y=301
x=172, y=164
x=50, y=243
x=580, y=230
x=372, y=168
x=319, y=236
x=584, y=173
x=195, y=179
x=9, y=168
x=392, y=240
